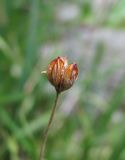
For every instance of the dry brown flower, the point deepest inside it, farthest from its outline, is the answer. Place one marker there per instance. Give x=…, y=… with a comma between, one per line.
x=61, y=75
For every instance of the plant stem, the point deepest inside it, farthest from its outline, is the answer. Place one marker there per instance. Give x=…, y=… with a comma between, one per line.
x=43, y=146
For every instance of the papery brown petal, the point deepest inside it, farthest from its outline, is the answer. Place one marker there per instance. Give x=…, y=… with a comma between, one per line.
x=70, y=75
x=50, y=71
x=74, y=72
x=59, y=69
x=65, y=61
x=55, y=71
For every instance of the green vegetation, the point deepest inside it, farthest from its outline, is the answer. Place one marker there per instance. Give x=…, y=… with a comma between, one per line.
x=89, y=131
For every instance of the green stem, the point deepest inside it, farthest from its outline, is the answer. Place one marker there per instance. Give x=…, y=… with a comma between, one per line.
x=43, y=146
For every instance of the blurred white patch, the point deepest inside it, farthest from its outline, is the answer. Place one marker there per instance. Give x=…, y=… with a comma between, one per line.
x=70, y=101
x=101, y=8
x=47, y=49
x=117, y=117
x=67, y=12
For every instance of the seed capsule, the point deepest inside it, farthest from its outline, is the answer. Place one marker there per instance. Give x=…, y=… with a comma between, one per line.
x=61, y=75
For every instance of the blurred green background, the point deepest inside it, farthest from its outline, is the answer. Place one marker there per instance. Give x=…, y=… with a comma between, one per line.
x=90, y=119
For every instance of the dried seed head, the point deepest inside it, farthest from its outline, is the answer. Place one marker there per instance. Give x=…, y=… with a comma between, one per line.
x=61, y=75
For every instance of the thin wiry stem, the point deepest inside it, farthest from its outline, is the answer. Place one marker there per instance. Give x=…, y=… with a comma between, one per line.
x=43, y=146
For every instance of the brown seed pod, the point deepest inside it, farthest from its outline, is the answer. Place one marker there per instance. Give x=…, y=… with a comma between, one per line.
x=61, y=75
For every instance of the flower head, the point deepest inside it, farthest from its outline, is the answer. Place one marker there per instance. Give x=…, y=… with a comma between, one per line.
x=61, y=75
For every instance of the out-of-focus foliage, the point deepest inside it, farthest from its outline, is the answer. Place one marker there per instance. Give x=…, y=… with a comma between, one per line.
x=89, y=124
